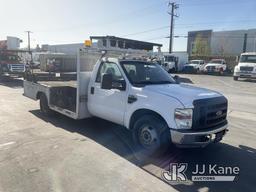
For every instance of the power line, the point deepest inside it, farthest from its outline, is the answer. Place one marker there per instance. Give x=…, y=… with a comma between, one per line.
x=146, y=31
x=185, y=26
x=217, y=3
x=204, y=37
x=215, y=22
x=110, y=21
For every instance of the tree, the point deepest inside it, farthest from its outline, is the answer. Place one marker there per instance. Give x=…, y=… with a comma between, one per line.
x=201, y=46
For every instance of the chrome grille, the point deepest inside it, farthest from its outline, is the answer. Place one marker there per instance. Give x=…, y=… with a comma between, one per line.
x=246, y=68
x=17, y=68
x=209, y=113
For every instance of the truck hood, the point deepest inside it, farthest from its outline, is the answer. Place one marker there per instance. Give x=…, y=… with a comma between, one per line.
x=192, y=65
x=213, y=64
x=185, y=94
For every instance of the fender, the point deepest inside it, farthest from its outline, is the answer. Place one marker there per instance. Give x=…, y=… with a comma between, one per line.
x=163, y=105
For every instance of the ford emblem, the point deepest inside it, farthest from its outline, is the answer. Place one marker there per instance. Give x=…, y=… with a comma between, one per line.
x=219, y=113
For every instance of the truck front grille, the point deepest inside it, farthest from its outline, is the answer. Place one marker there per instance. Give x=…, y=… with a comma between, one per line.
x=246, y=68
x=210, y=113
x=210, y=68
x=17, y=68
x=188, y=69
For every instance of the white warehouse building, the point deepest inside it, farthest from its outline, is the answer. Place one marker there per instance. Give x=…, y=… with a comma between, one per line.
x=231, y=43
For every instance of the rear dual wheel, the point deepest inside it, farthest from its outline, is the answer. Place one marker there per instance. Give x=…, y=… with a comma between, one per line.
x=44, y=107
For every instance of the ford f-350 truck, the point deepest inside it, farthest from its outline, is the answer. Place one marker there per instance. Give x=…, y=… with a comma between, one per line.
x=137, y=94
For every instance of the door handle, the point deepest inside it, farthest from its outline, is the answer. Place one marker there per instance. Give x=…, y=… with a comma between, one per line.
x=132, y=99
x=92, y=90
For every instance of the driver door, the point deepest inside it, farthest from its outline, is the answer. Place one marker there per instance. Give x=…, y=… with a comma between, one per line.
x=108, y=104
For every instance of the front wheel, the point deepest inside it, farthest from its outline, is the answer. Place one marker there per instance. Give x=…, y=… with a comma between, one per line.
x=221, y=71
x=172, y=70
x=151, y=135
x=235, y=78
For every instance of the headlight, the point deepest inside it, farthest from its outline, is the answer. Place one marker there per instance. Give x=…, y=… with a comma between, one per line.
x=5, y=67
x=183, y=118
x=236, y=69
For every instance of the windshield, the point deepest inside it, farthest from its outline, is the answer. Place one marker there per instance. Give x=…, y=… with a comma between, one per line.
x=169, y=58
x=216, y=61
x=143, y=73
x=248, y=59
x=194, y=62
x=10, y=58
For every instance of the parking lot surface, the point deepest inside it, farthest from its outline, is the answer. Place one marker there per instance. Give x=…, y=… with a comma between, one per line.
x=39, y=153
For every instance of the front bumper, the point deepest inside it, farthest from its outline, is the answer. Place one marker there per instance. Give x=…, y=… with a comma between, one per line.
x=245, y=74
x=192, y=138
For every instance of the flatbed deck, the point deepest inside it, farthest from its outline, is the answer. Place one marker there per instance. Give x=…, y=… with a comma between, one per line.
x=58, y=83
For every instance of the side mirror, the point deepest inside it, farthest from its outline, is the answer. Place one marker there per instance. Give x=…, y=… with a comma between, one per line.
x=119, y=84
x=176, y=78
x=107, y=80
x=237, y=58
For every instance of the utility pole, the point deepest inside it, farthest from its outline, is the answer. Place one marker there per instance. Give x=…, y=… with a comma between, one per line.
x=173, y=6
x=245, y=43
x=29, y=45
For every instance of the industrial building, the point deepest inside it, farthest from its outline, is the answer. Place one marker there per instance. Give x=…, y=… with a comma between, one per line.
x=219, y=43
x=103, y=42
x=11, y=43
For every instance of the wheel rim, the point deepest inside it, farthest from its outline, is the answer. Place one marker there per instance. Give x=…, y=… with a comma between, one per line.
x=148, y=137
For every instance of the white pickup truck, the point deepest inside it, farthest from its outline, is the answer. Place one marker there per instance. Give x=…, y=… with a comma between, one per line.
x=137, y=94
x=195, y=66
x=246, y=67
x=216, y=66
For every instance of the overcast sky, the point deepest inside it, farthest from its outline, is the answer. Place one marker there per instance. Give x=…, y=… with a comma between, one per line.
x=73, y=21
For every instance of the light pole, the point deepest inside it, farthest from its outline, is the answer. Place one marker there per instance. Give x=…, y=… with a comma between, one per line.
x=254, y=44
x=29, y=45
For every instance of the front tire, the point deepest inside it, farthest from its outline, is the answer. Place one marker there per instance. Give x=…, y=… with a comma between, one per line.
x=44, y=107
x=235, y=78
x=221, y=72
x=151, y=136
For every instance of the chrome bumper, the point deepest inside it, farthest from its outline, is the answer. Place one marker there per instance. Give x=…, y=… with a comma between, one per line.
x=245, y=74
x=192, y=138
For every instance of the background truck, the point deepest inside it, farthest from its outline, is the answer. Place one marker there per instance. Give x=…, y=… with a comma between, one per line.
x=246, y=67
x=11, y=64
x=216, y=66
x=138, y=94
x=170, y=63
x=194, y=66
x=174, y=62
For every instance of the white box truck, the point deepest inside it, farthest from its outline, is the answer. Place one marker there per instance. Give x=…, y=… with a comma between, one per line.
x=137, y=94
x=174, y=62
x=246, y=67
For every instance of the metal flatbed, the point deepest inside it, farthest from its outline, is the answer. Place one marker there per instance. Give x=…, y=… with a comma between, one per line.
x=59, y=83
